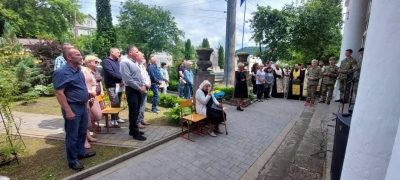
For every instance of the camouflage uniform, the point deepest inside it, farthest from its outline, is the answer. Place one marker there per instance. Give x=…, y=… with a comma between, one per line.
x=346, y=66
x=328, y=81
x=357, y=77
x=316, y=74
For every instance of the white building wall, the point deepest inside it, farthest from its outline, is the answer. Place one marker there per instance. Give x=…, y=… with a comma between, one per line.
x=353, y=31
x=376, y=115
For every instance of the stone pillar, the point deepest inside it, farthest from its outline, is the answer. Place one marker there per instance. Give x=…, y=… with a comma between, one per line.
x=376, y=114
x=199, y=77
x=354, y=28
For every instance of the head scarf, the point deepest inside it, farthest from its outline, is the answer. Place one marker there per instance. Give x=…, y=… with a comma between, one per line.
x=205, y=82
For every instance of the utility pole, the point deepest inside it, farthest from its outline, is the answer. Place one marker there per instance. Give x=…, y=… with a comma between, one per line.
x=75, y=30
x=230, y=43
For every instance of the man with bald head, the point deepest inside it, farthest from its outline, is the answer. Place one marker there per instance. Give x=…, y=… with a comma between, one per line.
x=72, y=94
x=135, y=87
x=112, y=78
x=156, y=80
x=60, y=60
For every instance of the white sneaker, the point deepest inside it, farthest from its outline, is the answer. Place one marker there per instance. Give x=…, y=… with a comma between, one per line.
x=114, y=122
x=120, y=121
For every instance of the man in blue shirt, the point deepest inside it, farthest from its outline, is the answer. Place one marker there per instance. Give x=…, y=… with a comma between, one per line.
x=156, y=80
x=112, y=78
x=60, y=60
x=72, y=94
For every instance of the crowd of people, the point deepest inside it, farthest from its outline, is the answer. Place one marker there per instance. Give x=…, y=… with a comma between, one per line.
x=308, y=83
x=77, y=85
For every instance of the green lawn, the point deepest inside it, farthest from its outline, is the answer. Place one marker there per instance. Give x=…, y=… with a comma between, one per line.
x=46, y=159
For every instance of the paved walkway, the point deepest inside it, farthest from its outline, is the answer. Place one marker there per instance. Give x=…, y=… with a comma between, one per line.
x=231, y=156
x=49, y=126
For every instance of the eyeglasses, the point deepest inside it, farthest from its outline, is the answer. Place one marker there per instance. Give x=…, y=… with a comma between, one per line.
x=96, y=62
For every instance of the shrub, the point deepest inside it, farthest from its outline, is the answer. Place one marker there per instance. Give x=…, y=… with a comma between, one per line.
x=173, y=73
x=165, y=100
x=174, y=113
x=173, y=85
x=228, y=92
x=46, y=52
x=45, y=90
x=252, y=96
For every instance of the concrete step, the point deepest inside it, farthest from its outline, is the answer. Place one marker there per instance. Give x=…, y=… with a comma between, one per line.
x=278, y=166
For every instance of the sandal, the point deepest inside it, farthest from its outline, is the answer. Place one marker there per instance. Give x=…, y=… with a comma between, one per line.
x=212, y=134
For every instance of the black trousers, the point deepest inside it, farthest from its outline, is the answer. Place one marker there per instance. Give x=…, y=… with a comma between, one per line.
x=253, y=81
x=266, y=92
x=260, y=90
x=134, y=98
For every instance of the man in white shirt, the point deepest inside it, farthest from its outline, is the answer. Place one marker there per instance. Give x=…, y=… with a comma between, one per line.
x=146, y=79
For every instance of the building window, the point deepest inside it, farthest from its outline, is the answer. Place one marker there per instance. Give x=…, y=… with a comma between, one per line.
x=89, y=32
x=89, y=22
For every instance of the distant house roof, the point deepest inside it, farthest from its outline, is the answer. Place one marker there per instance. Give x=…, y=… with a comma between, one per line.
x=89, y=15
x=28, y=42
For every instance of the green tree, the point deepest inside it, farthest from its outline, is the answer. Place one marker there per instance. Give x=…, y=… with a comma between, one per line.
x=40, y=18
x=315, y=28
x=270, y=29
x=205, y=43
x=150, y=28
x=221, y=57
x=10, y=49
x=106, y=36
x=188, y=49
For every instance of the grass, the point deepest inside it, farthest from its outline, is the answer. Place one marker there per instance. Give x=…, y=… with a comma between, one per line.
x=46, y=159
x=50, y=105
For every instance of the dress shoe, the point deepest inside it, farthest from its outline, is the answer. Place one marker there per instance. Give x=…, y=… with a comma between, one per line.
x=87, y=155
x=339, y=100
x=328, y=103
x=140, y=132
x=145, y=123
x=77, y=166
x=321, y=101
x=140, y=126
x=139, y=138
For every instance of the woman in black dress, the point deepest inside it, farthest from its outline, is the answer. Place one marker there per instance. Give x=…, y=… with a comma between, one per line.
x=241, y=91
x=253, y=77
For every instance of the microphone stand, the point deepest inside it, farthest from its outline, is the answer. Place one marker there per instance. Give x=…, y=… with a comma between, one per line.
x=345, y=92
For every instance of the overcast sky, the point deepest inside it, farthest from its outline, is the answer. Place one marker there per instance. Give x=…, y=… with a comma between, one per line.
x=200, y=18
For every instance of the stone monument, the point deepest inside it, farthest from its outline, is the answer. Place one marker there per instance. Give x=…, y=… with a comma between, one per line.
x=202, y=73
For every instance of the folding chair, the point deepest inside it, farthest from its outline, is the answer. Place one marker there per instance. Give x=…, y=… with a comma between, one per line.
x=192, y=118
x=107, y=111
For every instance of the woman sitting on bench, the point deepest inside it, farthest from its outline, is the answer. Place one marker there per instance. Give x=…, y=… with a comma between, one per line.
x=208, y=106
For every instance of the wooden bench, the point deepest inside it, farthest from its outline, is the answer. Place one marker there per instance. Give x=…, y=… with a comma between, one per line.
x=192, y=118
x=105, y=112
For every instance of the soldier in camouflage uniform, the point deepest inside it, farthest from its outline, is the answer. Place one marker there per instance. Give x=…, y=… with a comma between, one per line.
x=346, y=75
x=314, y=74
x=357, y=72
x=329, y=74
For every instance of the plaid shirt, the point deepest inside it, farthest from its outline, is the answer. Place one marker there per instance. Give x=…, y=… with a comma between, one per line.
x=59, y=62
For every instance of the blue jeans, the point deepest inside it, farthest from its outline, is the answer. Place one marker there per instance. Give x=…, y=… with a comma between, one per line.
x=188, y=91
x=181, y=87
x=154, y=88
x=75, y=131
